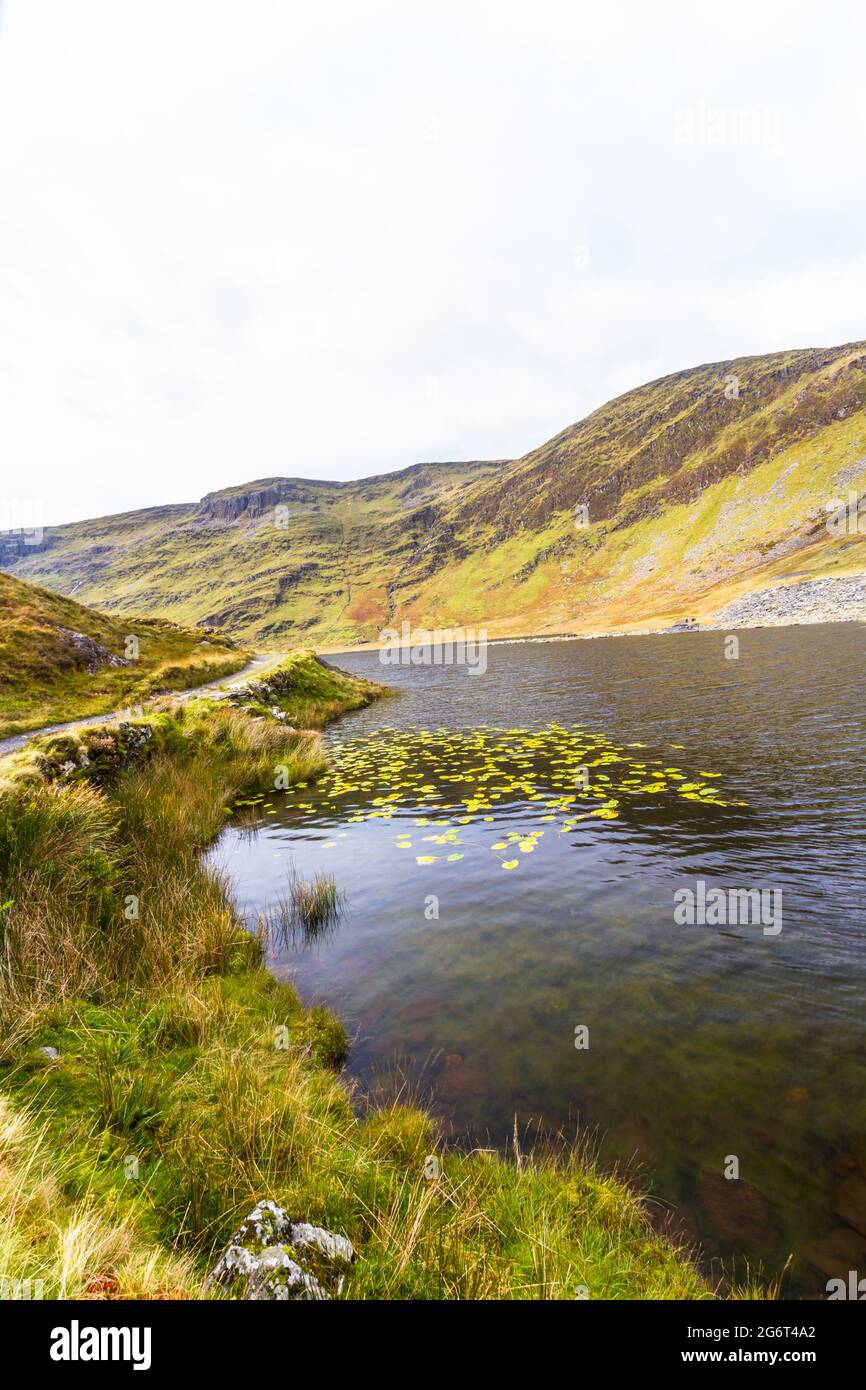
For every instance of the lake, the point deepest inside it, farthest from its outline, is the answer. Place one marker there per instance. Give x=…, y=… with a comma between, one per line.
x=517, y=851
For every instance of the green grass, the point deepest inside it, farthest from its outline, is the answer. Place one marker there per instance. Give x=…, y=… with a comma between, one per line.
x=44, y=679
x=189, y=1083
x=313, y=692
x=309, y=911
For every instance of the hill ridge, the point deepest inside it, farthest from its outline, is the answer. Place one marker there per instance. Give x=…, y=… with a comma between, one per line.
x=697, y=488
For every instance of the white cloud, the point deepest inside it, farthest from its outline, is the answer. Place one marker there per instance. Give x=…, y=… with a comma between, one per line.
x=239, y=240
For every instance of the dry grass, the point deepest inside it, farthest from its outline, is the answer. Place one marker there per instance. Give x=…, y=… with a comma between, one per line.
x=65, y=1248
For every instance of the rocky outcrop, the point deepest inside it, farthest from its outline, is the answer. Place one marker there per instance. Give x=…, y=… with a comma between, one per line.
x=263, y=1260
x=96, y=753
x=87, y=653
x=255, y=501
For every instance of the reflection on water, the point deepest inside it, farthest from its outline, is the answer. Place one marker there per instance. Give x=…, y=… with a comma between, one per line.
x=510, y=846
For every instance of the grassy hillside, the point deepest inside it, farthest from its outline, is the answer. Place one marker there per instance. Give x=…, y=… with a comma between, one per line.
x=162, y=1110
x=60, y=660
x=699, y=488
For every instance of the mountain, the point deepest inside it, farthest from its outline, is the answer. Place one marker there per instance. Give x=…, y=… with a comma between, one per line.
x=693, y=497
x=60, y=660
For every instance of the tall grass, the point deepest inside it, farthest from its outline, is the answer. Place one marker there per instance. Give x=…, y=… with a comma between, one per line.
x=69, y=1248
x=308, y=912
x=106, y=885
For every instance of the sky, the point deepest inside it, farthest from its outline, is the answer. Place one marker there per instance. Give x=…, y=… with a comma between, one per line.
x=253, y=238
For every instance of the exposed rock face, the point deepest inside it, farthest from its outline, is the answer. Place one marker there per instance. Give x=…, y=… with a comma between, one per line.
x=88, y=653
x=255, y=501
x=97, y=753
x=263, y=1258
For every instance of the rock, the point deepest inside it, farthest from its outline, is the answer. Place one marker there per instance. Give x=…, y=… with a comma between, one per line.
x=797, y=1095
x=841, y=1165
x=333, y=1247
x=262, y=1253
x=735, y=1211
x=273, y=1275
x=803, y=600
x=841, y=1250
x=86, y=652
x=851, y=1202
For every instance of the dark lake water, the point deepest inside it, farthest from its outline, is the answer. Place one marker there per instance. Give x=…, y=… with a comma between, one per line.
x=564, y=798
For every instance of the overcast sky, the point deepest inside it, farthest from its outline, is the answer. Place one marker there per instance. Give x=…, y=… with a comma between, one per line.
x=241, y=238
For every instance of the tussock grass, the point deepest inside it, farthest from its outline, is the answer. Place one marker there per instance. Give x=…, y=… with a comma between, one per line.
x=308, y=912
x=106, y=886
x=250, y=1103
x=317, y=904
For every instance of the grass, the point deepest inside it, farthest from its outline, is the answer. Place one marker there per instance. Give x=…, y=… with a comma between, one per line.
x=72, y=1247
x=185, y=1083
x=316, y=904
x=309, y=911
x=45, y=652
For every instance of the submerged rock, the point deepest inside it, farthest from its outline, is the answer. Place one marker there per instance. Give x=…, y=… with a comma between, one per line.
x=263, y=1254
x=841, y=1250
x=851, y=1202
x=735, y=1211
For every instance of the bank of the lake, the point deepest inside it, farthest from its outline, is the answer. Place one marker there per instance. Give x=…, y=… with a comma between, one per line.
x=145, y=1103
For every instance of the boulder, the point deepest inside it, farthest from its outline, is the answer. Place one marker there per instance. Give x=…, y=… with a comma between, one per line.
x=735, y=1211
x=263, y=1258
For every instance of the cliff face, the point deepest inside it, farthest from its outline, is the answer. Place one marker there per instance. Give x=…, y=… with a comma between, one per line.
x=672, y=501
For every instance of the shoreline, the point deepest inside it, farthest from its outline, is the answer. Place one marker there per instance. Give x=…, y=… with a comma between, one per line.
x=676, y=630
